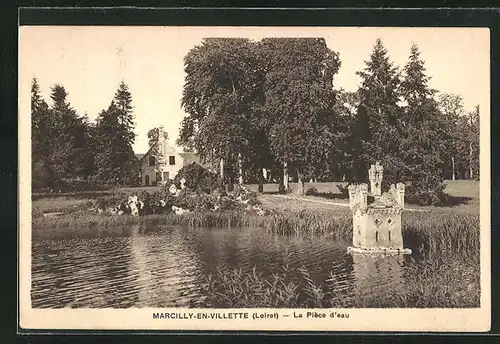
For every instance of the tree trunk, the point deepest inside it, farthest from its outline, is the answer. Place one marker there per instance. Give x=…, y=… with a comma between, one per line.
x=261, y=180
x=300, y=181
x=281, y=183
x=452, y=168
x=222, y=175
x=286, y=184
x=240, y=170
x=470, y=161
x=222, y=169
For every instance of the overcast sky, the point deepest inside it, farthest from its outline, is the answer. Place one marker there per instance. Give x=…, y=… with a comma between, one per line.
x=90, y=62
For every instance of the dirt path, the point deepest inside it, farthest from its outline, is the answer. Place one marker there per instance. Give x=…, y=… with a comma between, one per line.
x=312, y=200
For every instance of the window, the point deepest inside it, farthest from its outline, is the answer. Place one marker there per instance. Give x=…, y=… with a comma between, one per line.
x=171, y=160
x=166, y=176
x=152, y=161
x=158, y=176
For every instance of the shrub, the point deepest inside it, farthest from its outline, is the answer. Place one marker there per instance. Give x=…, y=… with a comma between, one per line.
x=197, y=178
x=344, y=190
x=312, y=191
x=426, y=196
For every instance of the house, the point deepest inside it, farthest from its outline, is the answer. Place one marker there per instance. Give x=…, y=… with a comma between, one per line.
x=163, y=161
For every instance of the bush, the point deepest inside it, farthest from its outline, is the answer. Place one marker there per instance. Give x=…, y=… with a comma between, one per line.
x=312, y=191
x=197, y=178
x=344, y=190
x=427, y=196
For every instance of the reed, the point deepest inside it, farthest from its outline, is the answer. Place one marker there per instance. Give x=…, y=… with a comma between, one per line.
x=337, y=225
x=442, y=234
x=427, y=233
x=437, y=284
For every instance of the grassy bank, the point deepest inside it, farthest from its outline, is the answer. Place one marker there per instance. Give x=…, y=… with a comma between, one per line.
x=446, y=245
x=440, y=284
x=430, y=233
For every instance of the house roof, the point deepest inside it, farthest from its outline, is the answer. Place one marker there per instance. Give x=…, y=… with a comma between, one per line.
x=168, y=145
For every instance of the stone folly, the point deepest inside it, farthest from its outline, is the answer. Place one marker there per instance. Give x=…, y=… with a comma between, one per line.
x=377, y=216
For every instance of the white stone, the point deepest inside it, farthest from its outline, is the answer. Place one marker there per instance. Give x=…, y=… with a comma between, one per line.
x=172, y=189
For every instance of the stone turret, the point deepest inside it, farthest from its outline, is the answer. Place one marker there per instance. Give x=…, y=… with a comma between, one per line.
x=377, y=216
x=398, y=193
x=375, y=174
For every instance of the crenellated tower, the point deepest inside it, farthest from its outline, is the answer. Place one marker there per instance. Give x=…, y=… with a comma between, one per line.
x=376, y=216
x=375, y=174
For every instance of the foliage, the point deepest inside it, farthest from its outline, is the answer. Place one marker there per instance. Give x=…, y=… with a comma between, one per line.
x=312, y=191
x=298, y=93
x=421, y=136
x=197, y=178
x=153, y=136
x=115, y=162
x=376, y=123
x=59, y=138
x=219, y=98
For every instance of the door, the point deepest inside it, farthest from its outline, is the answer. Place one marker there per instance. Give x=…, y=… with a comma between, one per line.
x=146, y=180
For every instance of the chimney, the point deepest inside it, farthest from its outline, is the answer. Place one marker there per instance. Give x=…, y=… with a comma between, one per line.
x=161, y=145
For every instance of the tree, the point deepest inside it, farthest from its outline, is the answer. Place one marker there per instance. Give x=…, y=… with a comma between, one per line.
x=217, y=96
x=41, y=172
x=153, y=136
x=468, y=144
x=66, y=138
x=452, y=110
x=342, y=153
x=298, y=90
x=422, y=144
x=123, y=102
x=376, y=122
x=114, y=159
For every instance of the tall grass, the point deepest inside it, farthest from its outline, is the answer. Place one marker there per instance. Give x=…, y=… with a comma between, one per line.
x=438, y=234
x=437, y=284
x=429, y=233
x=311, y=223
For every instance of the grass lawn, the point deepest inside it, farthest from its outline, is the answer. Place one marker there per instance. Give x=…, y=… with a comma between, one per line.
x=464, y=195
x=464, y=192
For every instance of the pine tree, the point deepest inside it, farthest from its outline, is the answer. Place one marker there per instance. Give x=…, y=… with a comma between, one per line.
x=123, y=102
x=115, y=162
x=66, y=151
x=42, y=175
x=376, y=123
x=421, y=139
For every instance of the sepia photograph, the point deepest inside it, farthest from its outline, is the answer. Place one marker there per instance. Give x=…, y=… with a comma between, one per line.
x=286, y=178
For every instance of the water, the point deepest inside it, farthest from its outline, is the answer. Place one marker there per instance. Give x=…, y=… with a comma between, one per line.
x=166, y=268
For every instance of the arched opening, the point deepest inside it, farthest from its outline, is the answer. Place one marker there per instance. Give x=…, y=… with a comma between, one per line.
x=376, y=236
x=389, y=235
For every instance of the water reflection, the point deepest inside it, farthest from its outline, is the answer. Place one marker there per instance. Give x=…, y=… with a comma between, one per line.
x=135, y=267
x=376, y=275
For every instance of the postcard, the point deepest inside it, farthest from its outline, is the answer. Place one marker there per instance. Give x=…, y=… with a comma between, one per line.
x=254, y=178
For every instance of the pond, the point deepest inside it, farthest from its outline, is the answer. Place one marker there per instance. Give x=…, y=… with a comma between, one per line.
x=131, y=267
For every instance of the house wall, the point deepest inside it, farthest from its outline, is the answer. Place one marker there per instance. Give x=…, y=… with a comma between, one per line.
x=181, y=159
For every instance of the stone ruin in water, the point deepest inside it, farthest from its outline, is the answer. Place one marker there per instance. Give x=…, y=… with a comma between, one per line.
x=376, y=216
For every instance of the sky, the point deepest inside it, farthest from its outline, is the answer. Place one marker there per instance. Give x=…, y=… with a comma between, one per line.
x=90, y=62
